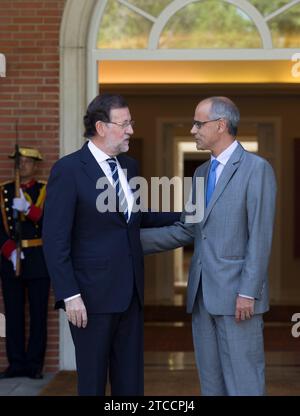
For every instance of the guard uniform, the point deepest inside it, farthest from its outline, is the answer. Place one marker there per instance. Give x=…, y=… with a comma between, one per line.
x=25, y=357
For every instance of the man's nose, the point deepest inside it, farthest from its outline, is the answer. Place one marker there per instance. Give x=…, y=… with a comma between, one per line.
x=129, y=129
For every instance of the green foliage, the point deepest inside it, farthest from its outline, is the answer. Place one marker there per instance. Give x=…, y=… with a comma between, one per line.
x=123, y=28
x=210, y=24
x=153, y=7
x=266, y=7
x=206, y=23
x=285, y=28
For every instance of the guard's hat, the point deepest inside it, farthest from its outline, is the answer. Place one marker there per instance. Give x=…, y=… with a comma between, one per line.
x=28, y=152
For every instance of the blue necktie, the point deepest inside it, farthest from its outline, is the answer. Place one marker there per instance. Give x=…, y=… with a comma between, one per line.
x=211, y=181
x=121, y=199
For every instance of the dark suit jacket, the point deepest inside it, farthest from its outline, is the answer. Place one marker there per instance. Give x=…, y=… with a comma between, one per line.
x=96, y=254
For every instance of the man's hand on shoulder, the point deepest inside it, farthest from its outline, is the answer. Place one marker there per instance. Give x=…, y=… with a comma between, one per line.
x=76, y=312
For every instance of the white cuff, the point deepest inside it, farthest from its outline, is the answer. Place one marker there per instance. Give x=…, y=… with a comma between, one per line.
x=72, y=297
x=27, y=211
x=245, y=296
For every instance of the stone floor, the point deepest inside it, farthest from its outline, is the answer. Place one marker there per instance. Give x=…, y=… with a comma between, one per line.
x=23, y=386
x=174, y=374
x=170, y=367
x=166, y=374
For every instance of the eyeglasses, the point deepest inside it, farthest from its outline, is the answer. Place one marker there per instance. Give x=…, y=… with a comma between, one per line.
x=199, y=124
x=123, y=125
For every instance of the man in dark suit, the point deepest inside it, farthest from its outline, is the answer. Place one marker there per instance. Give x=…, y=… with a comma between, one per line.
x=33, y=277
x=95, y=259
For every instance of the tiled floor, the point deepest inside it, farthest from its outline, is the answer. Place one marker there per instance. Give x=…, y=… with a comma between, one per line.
x=174, y=374
x=171, y=374
x=170, y=367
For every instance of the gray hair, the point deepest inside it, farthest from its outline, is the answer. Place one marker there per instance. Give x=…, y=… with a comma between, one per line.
x=223, y=107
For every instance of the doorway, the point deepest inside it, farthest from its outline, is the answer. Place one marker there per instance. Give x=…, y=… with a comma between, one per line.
x=258, y=135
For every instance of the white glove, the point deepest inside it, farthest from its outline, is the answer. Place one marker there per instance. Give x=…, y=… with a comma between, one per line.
x=21, y=204
x=13, y=258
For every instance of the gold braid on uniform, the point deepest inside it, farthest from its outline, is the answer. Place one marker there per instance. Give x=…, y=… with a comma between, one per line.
x=3, y=212
x=41, y=198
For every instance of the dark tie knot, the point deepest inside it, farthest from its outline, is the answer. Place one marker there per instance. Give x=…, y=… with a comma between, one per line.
x=111, y=160
x=112, y=163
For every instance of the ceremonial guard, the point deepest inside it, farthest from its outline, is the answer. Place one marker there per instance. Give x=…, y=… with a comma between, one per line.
x=23, y=269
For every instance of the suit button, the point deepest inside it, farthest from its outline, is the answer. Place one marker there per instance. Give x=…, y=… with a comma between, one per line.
x=203, y=237
x=199, y=262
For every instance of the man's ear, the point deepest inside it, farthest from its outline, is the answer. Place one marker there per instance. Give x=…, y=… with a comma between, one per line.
x=99, y=126
x=222, y=125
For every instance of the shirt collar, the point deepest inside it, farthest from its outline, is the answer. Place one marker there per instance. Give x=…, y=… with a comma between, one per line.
x=225, y=155
x=98, y=154
x=28, y=185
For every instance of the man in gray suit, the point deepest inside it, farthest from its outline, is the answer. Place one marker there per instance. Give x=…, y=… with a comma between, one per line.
x=228, y=285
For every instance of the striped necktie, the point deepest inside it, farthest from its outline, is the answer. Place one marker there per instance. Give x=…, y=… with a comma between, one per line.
x=121, y=198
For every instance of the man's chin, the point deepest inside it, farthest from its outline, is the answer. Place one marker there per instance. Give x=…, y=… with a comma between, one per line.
x=124, y=148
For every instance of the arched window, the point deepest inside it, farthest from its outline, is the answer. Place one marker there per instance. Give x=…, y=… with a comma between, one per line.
x=199, y=24
x=210, y=24
x=192, y=30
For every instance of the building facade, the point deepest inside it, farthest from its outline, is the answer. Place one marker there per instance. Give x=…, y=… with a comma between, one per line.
x=164, y=57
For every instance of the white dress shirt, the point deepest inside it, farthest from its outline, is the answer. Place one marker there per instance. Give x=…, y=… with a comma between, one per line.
x=223, y=159
x=101, y=159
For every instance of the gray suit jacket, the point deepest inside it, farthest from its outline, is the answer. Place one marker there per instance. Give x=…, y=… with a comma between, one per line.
x=233, y=241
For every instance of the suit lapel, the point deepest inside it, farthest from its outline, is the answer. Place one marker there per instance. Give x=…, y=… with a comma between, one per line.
x=202, y=173
x=92, y=169
x=94, y=172
x=228, y=171
x=90, y=165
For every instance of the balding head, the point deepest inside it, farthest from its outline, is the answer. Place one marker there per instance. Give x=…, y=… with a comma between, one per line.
x=223, y=107
x=215, y=124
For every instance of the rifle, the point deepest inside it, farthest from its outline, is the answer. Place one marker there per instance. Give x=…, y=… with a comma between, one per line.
x=16, y=213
